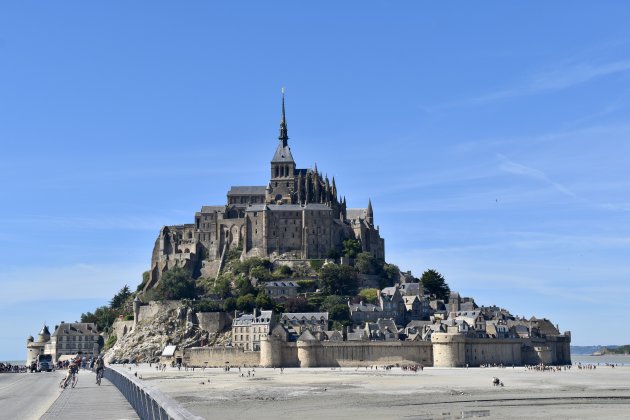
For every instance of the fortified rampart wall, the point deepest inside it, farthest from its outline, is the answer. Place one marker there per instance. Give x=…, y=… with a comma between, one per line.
x=275, y=353
x=220, y=357
x=445, y=350
x=121, y=328
x=155, y=307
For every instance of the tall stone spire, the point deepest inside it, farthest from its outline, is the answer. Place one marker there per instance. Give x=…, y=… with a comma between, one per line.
x=370, y=214
x=284, y=136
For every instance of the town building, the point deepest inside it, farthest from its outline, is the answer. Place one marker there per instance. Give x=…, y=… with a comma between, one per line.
x=248, y=329
x=69, y=339
x=281, y=290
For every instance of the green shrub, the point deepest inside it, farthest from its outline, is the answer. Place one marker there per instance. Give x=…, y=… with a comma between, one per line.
x=111, y=340
x=316, y=264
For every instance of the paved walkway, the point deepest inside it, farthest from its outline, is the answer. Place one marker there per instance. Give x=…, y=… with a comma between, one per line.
x=90, y=401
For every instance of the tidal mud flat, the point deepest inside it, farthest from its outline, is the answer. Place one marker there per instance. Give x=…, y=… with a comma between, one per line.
x=434, y=393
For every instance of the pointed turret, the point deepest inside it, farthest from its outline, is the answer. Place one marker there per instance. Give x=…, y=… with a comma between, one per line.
x=334, y=188
x=370, y=214
x=283, y=152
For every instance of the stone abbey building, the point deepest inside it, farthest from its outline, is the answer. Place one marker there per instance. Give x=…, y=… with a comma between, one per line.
x=298, y=215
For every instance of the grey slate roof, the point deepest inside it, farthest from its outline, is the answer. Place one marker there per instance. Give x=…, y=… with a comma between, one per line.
x=281, y=284
x=212, y=209
x=366, y=307
x=247, y=190
x=243, y=320
x=356, y=213
x=305, y=315
x=283, y=154
x=76, y=328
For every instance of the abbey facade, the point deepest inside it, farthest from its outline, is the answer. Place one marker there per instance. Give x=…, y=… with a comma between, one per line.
x=298, y=215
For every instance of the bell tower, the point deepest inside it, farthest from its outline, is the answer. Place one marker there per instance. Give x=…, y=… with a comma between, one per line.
x=282, y=167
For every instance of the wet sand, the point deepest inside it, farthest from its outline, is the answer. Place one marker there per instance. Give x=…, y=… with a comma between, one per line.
x=435, y=393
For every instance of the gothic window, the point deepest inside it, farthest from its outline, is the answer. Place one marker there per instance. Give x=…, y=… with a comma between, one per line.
x=277, y=172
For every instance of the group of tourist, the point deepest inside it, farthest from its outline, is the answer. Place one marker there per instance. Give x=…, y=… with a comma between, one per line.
x=11, y=368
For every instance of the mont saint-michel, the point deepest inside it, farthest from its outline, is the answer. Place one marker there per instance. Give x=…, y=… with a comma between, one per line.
x=285, y=275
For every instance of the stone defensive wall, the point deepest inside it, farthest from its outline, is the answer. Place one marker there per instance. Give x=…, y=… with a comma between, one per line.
x=456, y=350
x=276, y=353
x=121, y=328
x=153, y=308
x=220, y=357
x=445, y=350
x=214, y=322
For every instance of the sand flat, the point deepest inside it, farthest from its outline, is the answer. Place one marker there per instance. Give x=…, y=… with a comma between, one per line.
x=434, y=393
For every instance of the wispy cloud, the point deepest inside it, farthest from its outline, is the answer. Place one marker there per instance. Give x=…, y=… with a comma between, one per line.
x=567, y=74
x=563, y=76
x=515, y=168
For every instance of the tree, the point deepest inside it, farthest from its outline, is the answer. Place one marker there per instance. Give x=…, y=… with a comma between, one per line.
x=339, y=280
x=176, y=284
x=282, y=272
x=263, y=301
x=351, y=247
x=261, y=273
x=369, y=295
x=103, y=317
x=390, y=274
x=297, y=304
x=230, y=304
x=330, y=301
x=223, y=286
x=435, y=284
x=120, y=298
x=340, y=313
x=246, y=303
x=366, y=263
x=243, y=286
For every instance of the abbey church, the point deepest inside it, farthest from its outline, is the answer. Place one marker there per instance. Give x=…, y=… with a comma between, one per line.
x=298, y=215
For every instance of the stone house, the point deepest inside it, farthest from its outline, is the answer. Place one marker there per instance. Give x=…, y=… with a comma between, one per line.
x=248, y=329
x=392, y=304
x=417, y=307
x=382, y=330
x=80, y=338
x=281, y=290
x=299, y=322
x=364, y=312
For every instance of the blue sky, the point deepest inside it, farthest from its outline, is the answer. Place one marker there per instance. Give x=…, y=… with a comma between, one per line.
x=492, y=139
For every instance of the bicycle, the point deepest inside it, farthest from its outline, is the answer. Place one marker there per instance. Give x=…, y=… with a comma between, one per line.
x=69, y=380
x=99, y=376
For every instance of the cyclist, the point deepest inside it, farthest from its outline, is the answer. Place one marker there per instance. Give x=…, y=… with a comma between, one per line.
x=99, y=365
x=73, y=369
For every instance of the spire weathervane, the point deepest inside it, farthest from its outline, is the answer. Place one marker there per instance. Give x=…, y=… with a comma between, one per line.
x=283, y=124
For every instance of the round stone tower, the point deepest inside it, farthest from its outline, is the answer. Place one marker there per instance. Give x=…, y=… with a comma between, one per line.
x=307, y=349
x=449, y=350
x=271, y=351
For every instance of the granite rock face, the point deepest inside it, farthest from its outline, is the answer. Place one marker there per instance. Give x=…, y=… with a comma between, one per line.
x=178, y=326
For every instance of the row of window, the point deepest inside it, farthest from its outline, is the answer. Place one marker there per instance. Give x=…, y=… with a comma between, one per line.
x=76, y=338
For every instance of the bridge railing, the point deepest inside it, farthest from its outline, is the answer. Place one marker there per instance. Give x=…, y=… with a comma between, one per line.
x=149, y=403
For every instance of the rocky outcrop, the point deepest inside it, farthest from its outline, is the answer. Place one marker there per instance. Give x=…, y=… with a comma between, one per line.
x=176, y=324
